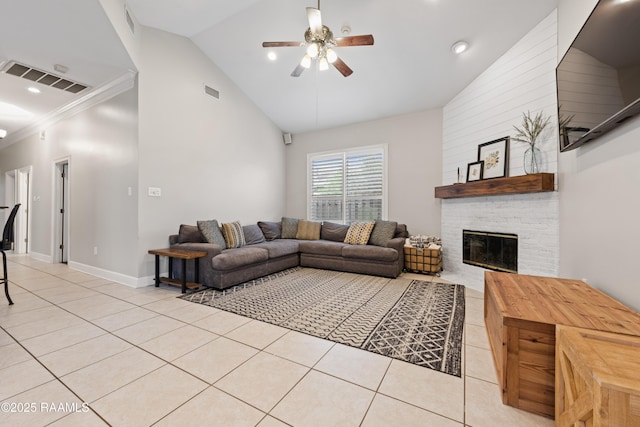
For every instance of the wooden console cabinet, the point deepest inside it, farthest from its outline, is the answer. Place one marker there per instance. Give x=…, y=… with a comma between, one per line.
x=597, y=378
x=521, y=313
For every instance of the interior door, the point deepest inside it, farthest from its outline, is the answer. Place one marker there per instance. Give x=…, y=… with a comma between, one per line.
x=61, y=213
x=23, y=184
x=64, y=220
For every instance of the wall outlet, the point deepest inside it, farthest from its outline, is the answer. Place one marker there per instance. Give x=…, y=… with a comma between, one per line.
x=129, y=191
x=95, y=250
x=155, y=192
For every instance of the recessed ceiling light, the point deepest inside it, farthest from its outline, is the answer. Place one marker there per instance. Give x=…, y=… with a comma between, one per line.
x=33, y=89
x=272, y=56
x=459, y=47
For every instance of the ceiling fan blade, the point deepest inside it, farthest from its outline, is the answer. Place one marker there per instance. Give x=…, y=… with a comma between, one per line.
x=297, y=71
x=315, y=20
x=280, y=44
x=342, y=67
x=355, y=40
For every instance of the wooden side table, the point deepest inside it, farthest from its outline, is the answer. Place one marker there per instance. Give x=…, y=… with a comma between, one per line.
x=184, y=255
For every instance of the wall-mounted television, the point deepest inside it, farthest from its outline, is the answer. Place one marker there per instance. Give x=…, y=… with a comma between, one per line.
x=598, y=79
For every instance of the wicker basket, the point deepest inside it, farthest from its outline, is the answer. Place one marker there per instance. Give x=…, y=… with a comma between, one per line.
x=419, y=260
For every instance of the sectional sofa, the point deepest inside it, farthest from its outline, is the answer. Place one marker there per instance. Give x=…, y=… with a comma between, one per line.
x=242, y=253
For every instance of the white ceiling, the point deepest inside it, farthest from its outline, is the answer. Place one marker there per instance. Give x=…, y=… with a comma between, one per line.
x=409, y=68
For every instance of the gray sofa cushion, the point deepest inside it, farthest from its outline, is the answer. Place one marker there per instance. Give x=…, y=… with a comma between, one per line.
x=190, y=234
x=271, y=230
x=383, y=231
x=280, y=247
x=211, y=232
x=252, y=234
x=239, y=257
x=369, y=252
x=333, y=232
x=321, y=247
x=289, y=228
x=401, y=231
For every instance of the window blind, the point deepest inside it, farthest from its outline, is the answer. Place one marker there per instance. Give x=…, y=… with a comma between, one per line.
x=347, y=186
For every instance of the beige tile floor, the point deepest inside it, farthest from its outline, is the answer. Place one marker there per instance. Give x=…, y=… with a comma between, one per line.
x=76, y=350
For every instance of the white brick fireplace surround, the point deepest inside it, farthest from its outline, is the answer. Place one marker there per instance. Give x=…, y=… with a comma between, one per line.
x=522, y=80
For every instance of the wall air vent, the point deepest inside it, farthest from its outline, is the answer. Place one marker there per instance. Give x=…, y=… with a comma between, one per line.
x=211, y=91
x=26, y=72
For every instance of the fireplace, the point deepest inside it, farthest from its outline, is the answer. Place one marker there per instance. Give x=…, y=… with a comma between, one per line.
x=495, y=251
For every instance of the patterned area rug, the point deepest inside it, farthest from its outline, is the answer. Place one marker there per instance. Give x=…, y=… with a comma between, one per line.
x=411, y=320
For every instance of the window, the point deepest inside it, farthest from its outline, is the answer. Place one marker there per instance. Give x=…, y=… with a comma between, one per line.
x=348, y=186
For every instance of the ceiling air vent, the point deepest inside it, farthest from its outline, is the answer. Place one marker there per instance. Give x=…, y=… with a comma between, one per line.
x=26, y=72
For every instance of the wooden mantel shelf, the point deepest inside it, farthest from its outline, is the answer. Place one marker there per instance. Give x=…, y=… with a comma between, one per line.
x=534, y=183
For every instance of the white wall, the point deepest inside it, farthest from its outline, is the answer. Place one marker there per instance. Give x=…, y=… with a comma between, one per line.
x=212, y=158
x=599, y=195
x=101, y=144
x=521, y=80
x=414, y=150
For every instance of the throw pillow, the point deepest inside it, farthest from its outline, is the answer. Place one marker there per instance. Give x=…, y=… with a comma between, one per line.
x=252, y=234
x=271, y=230
x=308, y=230
x=211, y=232
x=383, y=231
x=401, y=231
x=359, y=233
x=233, y=234
x=289, y=228
x=189, y=234
x=333, y=232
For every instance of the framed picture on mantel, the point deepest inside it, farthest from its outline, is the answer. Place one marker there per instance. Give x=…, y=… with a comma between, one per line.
x=495, y=155
x=474, y=171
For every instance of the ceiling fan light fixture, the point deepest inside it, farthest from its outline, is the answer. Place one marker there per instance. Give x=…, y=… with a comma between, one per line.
x=306, y=61
x=323, y=65
x=459, y=47
x=313, y=49
x=331, y=56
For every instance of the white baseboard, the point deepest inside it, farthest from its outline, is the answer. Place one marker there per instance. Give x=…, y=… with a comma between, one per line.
x=41, y=257
x=134, y=282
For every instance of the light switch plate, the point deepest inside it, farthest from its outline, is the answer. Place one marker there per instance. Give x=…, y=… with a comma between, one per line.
x=155, y=192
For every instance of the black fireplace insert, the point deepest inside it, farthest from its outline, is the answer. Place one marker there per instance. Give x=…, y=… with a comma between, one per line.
x=495, y=251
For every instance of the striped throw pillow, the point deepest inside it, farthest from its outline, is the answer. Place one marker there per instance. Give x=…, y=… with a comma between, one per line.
x=233, y=234
x=359, y=233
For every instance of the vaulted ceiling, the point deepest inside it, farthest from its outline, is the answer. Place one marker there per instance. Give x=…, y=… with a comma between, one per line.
x=409, y=68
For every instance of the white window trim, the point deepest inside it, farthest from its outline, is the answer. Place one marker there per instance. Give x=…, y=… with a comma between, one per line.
x=356, y=150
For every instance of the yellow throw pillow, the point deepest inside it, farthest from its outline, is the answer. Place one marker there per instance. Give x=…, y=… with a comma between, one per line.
x=359, y=233
x=308, y=230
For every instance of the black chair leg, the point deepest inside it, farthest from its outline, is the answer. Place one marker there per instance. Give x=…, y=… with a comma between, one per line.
x=5, y=278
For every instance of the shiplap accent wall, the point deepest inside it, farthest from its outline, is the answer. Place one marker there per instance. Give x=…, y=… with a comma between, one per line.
x=523, y=79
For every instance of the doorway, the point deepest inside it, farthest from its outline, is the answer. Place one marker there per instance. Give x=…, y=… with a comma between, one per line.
x=17, y=190
x=61, y=212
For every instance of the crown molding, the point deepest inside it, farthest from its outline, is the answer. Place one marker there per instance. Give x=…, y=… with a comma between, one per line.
x=94, y=97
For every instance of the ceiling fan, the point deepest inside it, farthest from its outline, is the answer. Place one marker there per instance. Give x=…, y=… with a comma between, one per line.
x=320, y=42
